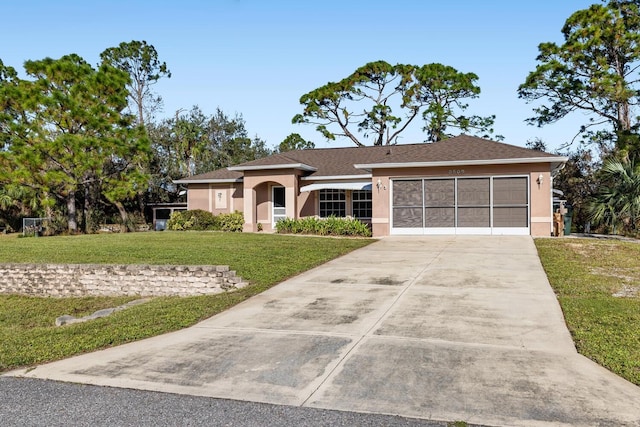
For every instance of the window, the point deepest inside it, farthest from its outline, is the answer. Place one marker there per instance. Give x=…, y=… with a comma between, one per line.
x=361, y=204
x=333, y=202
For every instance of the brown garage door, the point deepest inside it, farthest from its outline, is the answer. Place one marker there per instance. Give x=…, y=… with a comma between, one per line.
x=475, y=205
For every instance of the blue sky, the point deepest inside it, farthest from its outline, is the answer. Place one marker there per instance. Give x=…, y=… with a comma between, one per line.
x=258, y=57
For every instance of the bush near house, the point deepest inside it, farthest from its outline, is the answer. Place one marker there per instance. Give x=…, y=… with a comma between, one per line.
x=201, y=220
x=331, y=226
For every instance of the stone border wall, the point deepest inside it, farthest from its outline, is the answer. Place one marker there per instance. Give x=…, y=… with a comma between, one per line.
x=61, y=280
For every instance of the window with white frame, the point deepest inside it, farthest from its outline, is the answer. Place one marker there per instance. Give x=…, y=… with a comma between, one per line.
x=361, y=204
x=333, y=202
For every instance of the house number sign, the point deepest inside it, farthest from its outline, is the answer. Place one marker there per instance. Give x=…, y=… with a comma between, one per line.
x=456, y=171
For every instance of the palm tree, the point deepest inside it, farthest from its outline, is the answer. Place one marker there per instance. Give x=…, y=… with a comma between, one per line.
x=618, y=203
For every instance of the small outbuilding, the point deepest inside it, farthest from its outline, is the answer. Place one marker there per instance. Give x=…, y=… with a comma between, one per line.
x=462, y=185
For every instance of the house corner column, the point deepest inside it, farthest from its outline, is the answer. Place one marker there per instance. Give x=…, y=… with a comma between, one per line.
x=290, y=201
x=249, y=210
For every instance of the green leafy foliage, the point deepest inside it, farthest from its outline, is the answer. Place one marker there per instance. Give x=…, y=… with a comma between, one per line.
x=597, y=286
x=65, y=135
x=617, y=203
x=200, y=220
x=331, y=226
x=579, y=182
x=232, y=222
x=380, y=100
x=196, y=220
x=193, y=143
x=594, y=71
x=140, y=61
x=295, y=142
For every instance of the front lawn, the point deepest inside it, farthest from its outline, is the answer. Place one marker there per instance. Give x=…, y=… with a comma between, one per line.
x=27, y=332
x=598, y=285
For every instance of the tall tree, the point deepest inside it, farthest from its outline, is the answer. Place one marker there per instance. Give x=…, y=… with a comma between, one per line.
x=536, y=144
x=579, y=182
x=9, y=112
x=192, y=143
x=295, y=142
x=230, y=143
x=15, y=199
x=594, y=71
x=67, y=132
x=364, y=103
x=140, y=61
x=443, y=90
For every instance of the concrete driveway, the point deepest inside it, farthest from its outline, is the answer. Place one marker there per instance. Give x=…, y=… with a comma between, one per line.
x=442, y=328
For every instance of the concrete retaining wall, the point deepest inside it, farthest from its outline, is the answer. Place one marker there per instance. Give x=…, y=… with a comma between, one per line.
x=60, y=280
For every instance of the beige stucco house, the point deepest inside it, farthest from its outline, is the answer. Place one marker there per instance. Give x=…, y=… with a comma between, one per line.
x=464, y=185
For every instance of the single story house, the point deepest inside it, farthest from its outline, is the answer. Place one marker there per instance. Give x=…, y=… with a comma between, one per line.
x=463, y=185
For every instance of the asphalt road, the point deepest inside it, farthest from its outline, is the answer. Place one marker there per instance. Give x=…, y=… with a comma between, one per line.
x=31, y=402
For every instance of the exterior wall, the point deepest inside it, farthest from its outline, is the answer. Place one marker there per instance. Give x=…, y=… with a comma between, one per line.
x=540, y=195
x=257, y=196
x=260, y=184
x=308, y=204
x=237, y=197
x=215, y=198
x=253, y=196
x=198, y=197
x=541, y=204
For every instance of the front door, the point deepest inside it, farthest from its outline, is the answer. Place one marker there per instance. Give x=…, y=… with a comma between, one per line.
x=279, y=210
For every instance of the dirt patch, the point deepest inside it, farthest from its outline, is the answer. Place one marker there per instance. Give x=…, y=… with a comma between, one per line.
x=628, y=292
x=626, y=274
x=590, y=249
x=629, y=276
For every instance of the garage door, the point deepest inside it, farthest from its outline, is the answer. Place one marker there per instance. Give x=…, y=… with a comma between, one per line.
x=483, y=205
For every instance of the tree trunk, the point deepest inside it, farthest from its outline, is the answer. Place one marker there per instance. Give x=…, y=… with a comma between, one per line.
x=624, y=116
x=123, y=215
x=72, y=219
x=87, y=210
x=140, y=110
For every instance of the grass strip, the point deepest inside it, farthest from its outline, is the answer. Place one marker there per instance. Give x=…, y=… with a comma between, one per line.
x=597, y=283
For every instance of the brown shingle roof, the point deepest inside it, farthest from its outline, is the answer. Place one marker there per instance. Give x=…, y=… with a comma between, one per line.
x=213, y=176
x=460, y=149
x=340, y=161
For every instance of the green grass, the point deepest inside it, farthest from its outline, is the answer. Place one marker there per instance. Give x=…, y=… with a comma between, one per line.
x=27, y=332
x=585, y=274
x=259, y=258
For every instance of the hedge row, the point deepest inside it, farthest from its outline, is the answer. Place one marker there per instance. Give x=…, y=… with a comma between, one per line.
x=199, y=220
x=332, y=226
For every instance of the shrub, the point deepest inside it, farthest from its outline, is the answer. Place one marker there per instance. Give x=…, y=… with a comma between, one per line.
x=200, y=220
x=196, y=219
x=231, y=222
x=332, y=226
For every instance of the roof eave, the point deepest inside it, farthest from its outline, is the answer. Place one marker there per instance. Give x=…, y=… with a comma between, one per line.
x=300, y=166
x=336, y=177
x=207, y=181
x=370, y=166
